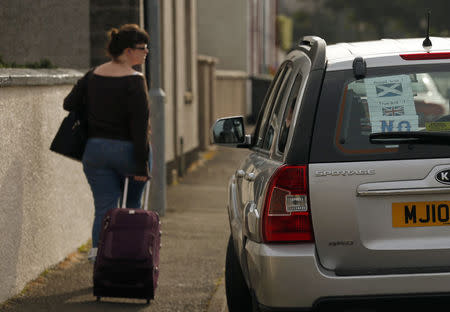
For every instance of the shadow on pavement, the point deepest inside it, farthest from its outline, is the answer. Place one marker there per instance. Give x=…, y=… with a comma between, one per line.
x=74, y=301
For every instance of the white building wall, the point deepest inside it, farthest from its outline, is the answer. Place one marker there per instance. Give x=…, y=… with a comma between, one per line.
x=188, y=114
x=179, y=73
x=167, y=42
x=179, y=46
x=222, y=32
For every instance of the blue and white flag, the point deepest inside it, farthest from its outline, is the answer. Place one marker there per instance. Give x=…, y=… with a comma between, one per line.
x=389, y=89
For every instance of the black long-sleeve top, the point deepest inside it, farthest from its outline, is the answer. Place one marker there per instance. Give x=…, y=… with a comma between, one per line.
x=117, y=108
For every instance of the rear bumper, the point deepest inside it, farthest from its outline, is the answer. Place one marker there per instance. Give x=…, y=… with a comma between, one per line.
x=285, y=277
x=414, y=302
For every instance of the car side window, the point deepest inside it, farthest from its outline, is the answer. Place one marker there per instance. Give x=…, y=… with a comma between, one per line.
x=270, y=98
x=288, y=114
x=273, y=125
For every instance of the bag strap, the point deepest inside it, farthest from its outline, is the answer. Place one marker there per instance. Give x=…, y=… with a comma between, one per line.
x=84, y=91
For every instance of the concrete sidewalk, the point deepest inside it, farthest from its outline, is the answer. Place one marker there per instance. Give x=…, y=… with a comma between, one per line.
x=195, y=233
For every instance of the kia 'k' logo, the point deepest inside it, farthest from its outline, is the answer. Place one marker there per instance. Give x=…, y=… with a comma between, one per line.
x=443, y=176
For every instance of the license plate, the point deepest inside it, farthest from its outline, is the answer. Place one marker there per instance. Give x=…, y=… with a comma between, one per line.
x=411, y=214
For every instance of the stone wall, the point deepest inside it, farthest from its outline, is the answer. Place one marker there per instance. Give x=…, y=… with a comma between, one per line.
x=105, y=14
x=46, y=29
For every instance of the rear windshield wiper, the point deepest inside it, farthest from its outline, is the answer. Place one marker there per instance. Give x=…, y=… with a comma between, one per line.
x=410, y=137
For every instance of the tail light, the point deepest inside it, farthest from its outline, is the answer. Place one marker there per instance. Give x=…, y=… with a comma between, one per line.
x=425, y=56
x=286, y=214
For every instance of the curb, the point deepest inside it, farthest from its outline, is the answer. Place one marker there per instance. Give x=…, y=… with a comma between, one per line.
x=218, y=301
x=203, y=157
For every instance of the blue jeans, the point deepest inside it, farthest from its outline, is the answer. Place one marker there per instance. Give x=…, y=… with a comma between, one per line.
x=106, y=162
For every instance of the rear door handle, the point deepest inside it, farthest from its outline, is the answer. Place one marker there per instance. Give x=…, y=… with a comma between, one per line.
x=250, y=176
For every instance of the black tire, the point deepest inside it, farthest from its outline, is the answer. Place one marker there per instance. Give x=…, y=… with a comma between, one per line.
x=239, y=298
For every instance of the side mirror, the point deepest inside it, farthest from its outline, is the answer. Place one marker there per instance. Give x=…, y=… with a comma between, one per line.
x=230, y=132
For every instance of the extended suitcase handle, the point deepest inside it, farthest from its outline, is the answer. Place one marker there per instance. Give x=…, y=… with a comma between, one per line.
x=146, y=194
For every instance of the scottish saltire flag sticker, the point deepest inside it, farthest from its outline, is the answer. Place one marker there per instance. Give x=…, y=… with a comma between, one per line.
x=390, y=101
x=389, y=89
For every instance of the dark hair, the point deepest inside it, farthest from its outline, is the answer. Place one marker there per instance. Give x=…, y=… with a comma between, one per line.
x=127, y=36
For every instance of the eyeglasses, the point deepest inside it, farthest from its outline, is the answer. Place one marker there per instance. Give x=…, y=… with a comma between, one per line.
x=141, y=48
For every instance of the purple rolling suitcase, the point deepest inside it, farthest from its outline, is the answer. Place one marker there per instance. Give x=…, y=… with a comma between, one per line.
x=128, y=253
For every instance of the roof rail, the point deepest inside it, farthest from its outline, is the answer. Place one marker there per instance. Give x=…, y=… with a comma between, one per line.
x=315, y=48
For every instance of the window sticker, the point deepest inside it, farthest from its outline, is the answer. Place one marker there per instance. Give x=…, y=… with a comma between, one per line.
x=390, y=102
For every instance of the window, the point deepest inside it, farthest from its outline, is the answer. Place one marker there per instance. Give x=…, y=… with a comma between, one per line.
x=390, y=99
x=273, y=126
x=265, y=128
x=267, y=106
x=289, y=113
x=394, y=103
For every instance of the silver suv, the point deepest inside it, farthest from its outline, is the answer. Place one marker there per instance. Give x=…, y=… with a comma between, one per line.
x=344, y=199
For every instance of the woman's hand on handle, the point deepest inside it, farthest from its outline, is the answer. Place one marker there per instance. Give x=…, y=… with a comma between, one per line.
x=141, y=178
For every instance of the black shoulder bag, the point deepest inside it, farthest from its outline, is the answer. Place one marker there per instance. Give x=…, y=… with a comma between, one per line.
x=72, y=135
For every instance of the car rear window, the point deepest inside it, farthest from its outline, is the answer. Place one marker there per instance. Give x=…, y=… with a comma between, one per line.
x=391, y=99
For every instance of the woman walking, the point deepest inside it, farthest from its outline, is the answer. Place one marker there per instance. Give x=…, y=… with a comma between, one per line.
x=117, y=109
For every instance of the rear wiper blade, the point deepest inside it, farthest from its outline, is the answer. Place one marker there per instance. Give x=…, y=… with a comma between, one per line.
x=410, y=137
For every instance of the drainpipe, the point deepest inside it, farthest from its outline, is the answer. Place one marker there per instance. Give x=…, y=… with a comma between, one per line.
x=157, y=97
